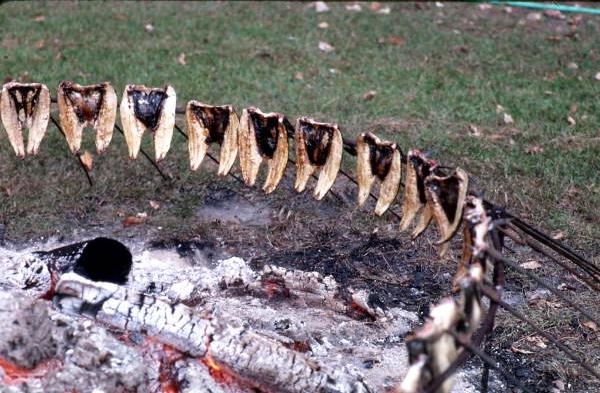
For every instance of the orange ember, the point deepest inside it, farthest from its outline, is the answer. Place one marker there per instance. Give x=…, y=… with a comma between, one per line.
x=274, y=288
x=167, y=378
x=15, y=373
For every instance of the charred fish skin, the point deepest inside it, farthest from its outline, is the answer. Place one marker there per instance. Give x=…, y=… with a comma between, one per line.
x=82, y=106
x=378, y=159
x=148, y=108
x=262, y=137
x=209, y=124
x=318, y=146
x=25, y=105
x=418, y=167
x=446, y=197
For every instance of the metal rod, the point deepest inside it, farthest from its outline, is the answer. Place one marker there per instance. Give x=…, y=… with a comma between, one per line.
x=496, y=255
x=528, y=242
x=147, y=156
x=493, y=295
x=81, y=164
x=486, y=359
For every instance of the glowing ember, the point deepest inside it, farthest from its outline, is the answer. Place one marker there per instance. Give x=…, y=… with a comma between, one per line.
x=15, y=373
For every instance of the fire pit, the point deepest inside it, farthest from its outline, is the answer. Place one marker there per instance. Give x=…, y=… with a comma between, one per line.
x=160, y=322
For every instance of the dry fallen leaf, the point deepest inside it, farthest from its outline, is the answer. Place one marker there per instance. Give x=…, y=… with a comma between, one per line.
x=121, y=17
x=558, y=235
x=591, y=325
x=507, y=119
x=375, y=6
x=531, y=265
x=354, y=7
x=325, y=47
x=537, y=341
x=573, y=108
x=392, y=40
x=571, y=121
x=485, y=6
x=499, y=109
x=384, y=10
x=40, y=18
x=535, y=149
x=534, y=16
x=323, y=25
x=516, y=349
x=321, y=6
x=299, y=76
x=369, y=95
x=474, y=130
x=181, y=59
x=132, y=220
x=87, y=160
x=548, y=93
x=572, y=66
x=153, y=204
x=40, y=44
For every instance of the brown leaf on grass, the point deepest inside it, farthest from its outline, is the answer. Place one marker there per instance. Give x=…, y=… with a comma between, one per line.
x=531, y=265
x=534, y=16
x=323, y=25
x=548, y=93
x=535, y=149
x=40, y=44
x=181, y=59
x=153, y=204
x=354, y=7
x=573, y=108
x=39, y=18
x=554, y=38
x=121, y=17
x=572, y=65
x=369, y=95
x=325, y=47
x=571, y=121
x=375, y=6
x=507, y=119
x=87, y=160
x=321, y=6
x=133, y=220
x=392, y=40
x=537, y=341
x=460, y=49
x=590, y=325
x=523, y=351
x=299, y=76
x=558, y=235
x=484, y=6
x=474, y=130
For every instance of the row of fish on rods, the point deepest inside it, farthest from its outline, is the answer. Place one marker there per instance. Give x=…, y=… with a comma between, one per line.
x=257, y=136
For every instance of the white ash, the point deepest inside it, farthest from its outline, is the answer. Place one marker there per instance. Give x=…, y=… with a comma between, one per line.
x=313, y=316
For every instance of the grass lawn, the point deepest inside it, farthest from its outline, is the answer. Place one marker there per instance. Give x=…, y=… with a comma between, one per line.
x=439, y=74
x=447, y=80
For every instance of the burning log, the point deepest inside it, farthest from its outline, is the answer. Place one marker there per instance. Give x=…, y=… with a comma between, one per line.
x=252, y=356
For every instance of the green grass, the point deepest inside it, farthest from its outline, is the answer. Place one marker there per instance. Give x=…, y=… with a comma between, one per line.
x=429, y=92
